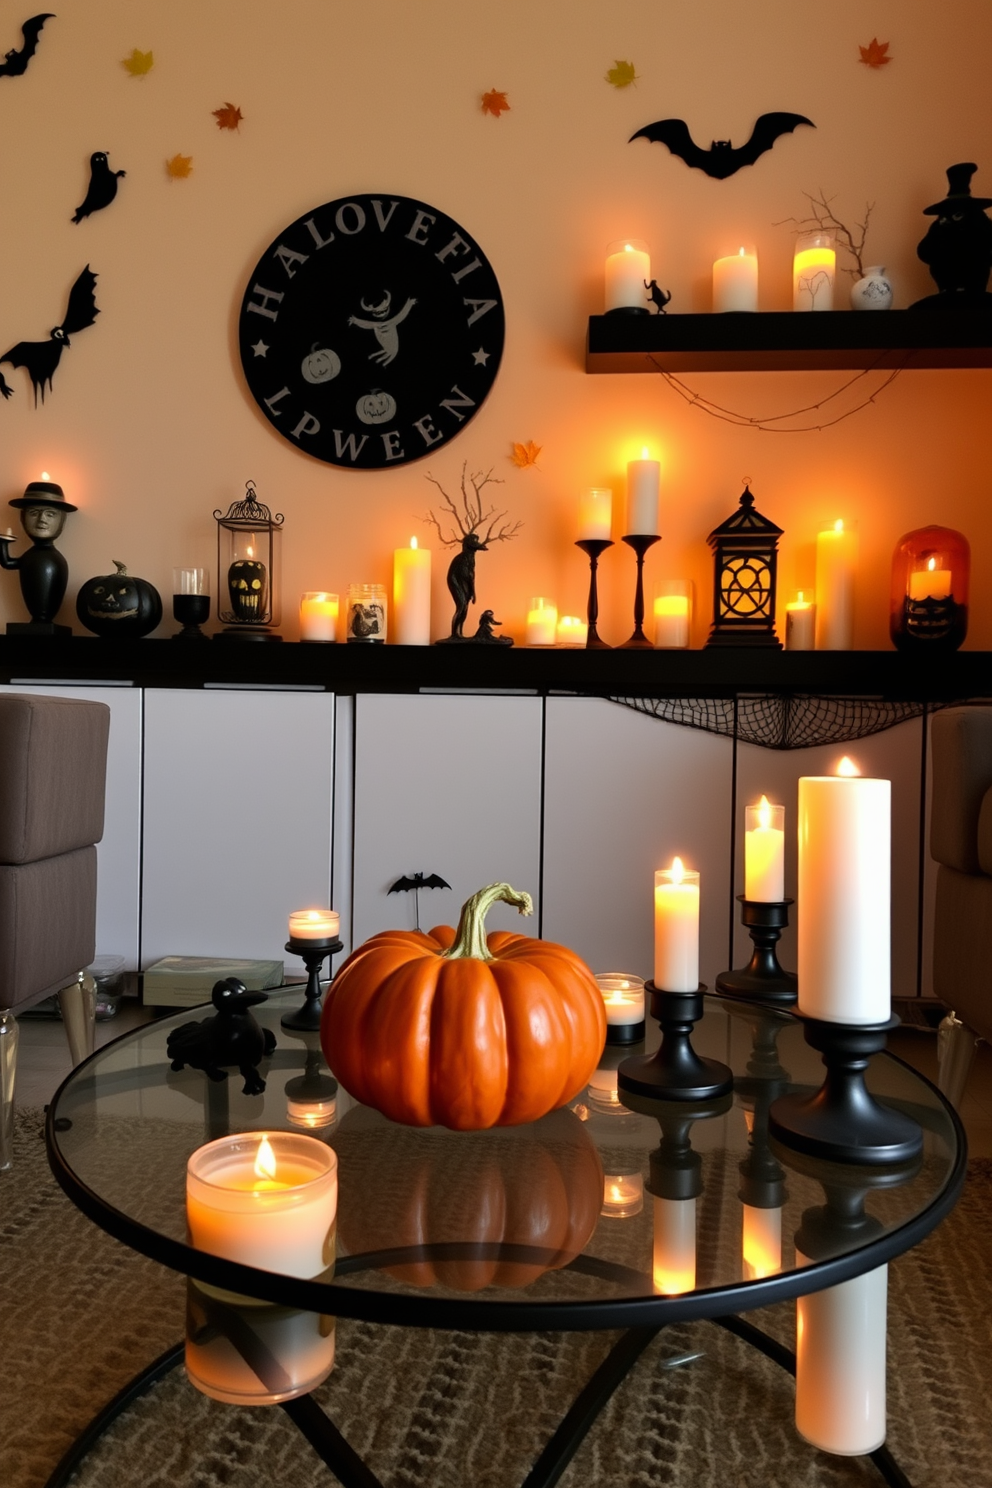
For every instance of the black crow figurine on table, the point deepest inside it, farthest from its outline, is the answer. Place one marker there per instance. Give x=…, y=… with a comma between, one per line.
x=231, y=1036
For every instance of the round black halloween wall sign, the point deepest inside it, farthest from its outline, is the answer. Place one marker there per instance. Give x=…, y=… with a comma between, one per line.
x=371, y=331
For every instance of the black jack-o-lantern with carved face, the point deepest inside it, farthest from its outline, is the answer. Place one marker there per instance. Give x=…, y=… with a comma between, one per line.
x=119, y=604
x=248, y=586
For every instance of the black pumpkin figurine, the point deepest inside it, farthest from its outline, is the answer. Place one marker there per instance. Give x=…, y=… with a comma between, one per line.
x=231, y=1036
x=119, y=605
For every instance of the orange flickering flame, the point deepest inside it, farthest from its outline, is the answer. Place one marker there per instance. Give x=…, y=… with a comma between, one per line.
x=677, y=871
x=265, y=1161
x=932, y=564
x=413, y=542
x=839, y=525
x=764, y=814
x=848, y=768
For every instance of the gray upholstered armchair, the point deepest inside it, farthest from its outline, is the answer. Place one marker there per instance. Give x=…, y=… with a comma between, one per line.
x=53, y=769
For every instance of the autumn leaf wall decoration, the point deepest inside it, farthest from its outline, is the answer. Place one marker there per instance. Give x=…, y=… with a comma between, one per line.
x=494, y=103
x=179, y=167
x=524, y=455
x=621, y=74
x=139, y=64
x=228, y=117
x=875, y=54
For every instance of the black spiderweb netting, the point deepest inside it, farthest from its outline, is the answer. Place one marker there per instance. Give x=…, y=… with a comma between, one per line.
x=781, y=722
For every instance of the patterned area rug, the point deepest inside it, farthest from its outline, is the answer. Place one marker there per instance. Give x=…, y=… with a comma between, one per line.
x=80, y=1315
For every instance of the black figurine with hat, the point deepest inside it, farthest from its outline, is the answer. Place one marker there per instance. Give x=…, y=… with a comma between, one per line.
x=957, y=248
x=43, y=571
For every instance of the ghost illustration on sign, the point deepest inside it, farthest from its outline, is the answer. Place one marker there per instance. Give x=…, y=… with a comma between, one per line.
x=384, y=327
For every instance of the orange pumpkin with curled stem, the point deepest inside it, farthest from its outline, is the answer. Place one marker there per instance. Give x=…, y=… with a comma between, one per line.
x=459, y=1029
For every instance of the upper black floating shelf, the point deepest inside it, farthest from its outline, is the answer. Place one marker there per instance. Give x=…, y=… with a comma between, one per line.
x=789, y=342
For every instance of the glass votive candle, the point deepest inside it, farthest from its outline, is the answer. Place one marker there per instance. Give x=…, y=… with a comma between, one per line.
x=673, y=614
x=800, y=623
x=628, y=271
x=571, y=631
x=814, y=268
x=366, y=622
x=292, y=1352
x=623, y=999
x=542, y=622
x=623, y=1195
x=314, y=924
x=318, y=616
x=930, y=580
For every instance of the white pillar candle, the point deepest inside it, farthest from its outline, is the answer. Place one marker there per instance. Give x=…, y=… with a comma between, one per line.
x=623, y=997
x=800, y=624
x=571, y=631
x=542, y=622
x=930, y=582
x=840, y=1365
x=764, y=852
x=319, y=616
x=836, y=564
x=623, y=1195
x=628, y=270
x=314, y=924
x=844, y=826
x=412, y=595
x=265, y=1199
x=298, y=1346
x=674, y=1260
x=643, y=490
x=735, y=282
x=595, y=515
x=814, y=268
x=761, y=1242
x=672, y=609
x=676, y=929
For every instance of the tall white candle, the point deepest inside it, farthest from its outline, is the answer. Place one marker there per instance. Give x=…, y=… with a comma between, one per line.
x=735, y=282
x=412, y=595
x=542, y=622
x=840, y=1365
x=836, y=564
x=628, y=270
x=674, y=1259
x=643, y=490
x=595, y=515
x=800, y=624
x=676, y=928
x=764, y=852
x=844, y=826
x=319, y=616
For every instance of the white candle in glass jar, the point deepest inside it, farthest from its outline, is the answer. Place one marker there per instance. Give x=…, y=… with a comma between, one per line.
x=628, y=270
x=623, y=996
x=764, y=853
x=814, y=268
x=836, y=565
x=735, y=282
x=319, y=616
x=571, y=631
x=840, y=1364
x=643, y=493
x=623, y=1195
x=595, y=515
x=671, y=619
x=603, y=1090
x=800, y=624
x=674, y=1260
x=314, y=924
x=412, y=595
x=676, y=929
x=844, y=823
x=930, y=582
x=542, y=622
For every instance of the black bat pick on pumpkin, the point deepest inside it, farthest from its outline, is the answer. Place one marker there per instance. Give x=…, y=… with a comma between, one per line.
x=721, y=159
x=418, y=881
x=42, y=357
x=15, y=63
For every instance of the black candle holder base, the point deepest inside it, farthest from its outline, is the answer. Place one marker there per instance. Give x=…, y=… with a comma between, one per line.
x=676, y=1072
x=762, y=979
x=640, y=542
x=842, y=1121
x=37, y=628
x=625, y=1033
x=306, y=1019
x=594, y=548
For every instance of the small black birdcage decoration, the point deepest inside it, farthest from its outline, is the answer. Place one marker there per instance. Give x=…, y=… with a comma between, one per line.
x=248, y=568
x=745, y=552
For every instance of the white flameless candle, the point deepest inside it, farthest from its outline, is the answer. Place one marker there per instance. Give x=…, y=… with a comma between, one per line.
x=542, y=622
x=800, y=624
x=840, y=1365
x=764, y=853
x=628, y=270
x=412, y=595
x=674, y=1260
x=930, y=582
x=319, y=616
x=676, y=929
x=314, y=924
x=836, y=563
x=672, y=615
x=571, y=631
x=814, y=268
x=844, y=826
x=623, y=997
x=761, y=1242
x=643, y=490
x=595, y=515
x=735, y=282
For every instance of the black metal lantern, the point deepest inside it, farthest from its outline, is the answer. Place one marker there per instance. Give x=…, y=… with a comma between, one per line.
x=248, y=569
x=745, y=552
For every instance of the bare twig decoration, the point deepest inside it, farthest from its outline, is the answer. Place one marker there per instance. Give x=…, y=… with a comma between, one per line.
x=472, y=515
x=823, y=219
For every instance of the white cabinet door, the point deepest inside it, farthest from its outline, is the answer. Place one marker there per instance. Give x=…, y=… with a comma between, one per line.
x=624, y=794
x=238, y=791
x=448, y=785
x=119, y=854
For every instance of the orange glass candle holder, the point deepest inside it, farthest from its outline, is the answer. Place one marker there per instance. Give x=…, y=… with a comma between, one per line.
x=931, y=568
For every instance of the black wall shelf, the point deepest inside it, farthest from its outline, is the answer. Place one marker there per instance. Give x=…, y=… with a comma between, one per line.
x=789, y=342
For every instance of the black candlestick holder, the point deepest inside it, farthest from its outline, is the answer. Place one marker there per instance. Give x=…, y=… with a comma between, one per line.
x=762, y=979
x=842, y=1121
x=306, y=1019
x=192, y=611
x=594, y=547
x=675, y=1072
x=640, y=542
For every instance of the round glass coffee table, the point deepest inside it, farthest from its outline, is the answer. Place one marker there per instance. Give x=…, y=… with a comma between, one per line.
x=596, y=1217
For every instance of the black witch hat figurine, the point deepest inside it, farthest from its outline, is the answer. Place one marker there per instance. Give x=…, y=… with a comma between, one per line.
x=958, y=245
x=43, y=570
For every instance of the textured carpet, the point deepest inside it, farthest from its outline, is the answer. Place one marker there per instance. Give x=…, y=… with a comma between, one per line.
x=80, y=1314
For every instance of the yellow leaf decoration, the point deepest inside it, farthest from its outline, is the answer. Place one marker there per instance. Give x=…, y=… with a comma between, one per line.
x=494, y=103
x=179, y=167
x=228, y=117
x=621, y=74
x=139, y=64
x=525, y=455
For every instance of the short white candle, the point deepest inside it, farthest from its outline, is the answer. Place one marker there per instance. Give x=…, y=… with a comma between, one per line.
x=542, y=622
x=764, y=853
x=319, y=616
x=604, y=1091
x=930, y=582
x=314, y=924
x=265, y=1199
x=595, y=515
x=412, y=595
x=735, y=282
x=643, y=491
x=674, y=1261
x=299, y=1346
x=571, y=631
x=623, y=997
x=800, y=624
x=836, y=565
x=623, y=1195
x=814, y=268
x=840, y=1365
x=761, y=1242
x=676, y=929
x=671, y=619
x=628, y=270
x=844, y=823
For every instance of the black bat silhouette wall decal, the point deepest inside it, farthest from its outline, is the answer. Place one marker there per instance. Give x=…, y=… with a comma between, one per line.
x=42, y=357
x=15, y=64
x=721, y=159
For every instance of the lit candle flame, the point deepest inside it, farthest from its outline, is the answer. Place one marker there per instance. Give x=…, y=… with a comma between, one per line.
x=251, y=551
x=932, y=564
x=615, y=996
x=645, y=452
x=740, y=253
x=764, y=814
x=265, y=1160
x=839, y=525
x=45, y=475
x=627, y=248
x=413, y=542
x=800, y=596
x=678, y=870
x=847, y=767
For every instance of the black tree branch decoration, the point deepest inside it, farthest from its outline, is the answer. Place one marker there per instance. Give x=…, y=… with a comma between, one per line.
x=464, y=520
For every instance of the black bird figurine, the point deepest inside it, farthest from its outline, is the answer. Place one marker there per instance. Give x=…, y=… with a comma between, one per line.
x=102, y=188
x=231, y=1036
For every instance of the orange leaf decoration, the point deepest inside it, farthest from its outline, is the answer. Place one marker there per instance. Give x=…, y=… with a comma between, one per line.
x=179, y=167
x=228, y=117
x=494, y=103
x=874, y=55
x=525, y=454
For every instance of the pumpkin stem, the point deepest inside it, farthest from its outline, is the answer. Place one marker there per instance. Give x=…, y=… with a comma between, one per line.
x=470, y=937
x=121, y=568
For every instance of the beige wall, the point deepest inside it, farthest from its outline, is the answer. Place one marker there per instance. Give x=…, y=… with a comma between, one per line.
x=149, y=426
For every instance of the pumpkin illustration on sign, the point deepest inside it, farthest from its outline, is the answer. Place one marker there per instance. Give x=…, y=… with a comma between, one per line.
x=459, y=1029
x=371, y=331
x=119, y=604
